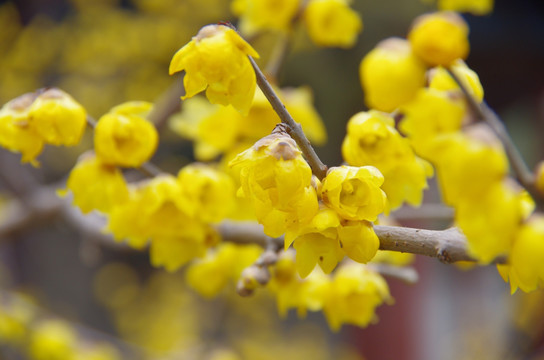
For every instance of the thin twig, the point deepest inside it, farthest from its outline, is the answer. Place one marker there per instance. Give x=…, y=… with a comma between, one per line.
x=295, y=130
x=483, y=112
x=404, y=273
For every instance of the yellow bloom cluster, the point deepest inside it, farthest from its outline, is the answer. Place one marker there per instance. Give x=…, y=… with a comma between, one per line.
x=24, y=328
x=394, y=71
x=173, y=213
x=216, y=60
x=220, y=129
x=372, y=139
x=48, y=116
x=330, y=23
x=324, y=222
x=277, y=179
x=224, y=264
x=349, y=296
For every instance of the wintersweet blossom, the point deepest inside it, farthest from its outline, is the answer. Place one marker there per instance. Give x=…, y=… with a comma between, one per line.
x=439, y=79
x=57, y=117
x=209, y=191
x=16, y=134
x=95, y=185
x=277, y=179
x=525, y=267
x=354, y=192
x=391, y=74
x=439, y=38
x=258, y=15
x=124, y=137
x=216, y=60
x=372, y=139
x=332, y=23
x=353, y=296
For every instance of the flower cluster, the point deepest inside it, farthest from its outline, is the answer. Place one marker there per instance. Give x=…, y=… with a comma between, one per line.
x=47, y=116
x=330, y=23
x=350, y=296
x=217, y=129
x=324, y=221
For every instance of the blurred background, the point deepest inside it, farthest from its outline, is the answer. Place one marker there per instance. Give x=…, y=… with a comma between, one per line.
x=104, y=52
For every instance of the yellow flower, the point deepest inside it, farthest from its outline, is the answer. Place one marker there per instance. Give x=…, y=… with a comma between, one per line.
x=96, y=186
x=332, y=23
x=354, y=192
x=466, y=167
x=173, y=252
x=353, y=296
x=525, y=268
x=209, y=275
x=439, y=38
x=257, y=15
x=393, y=258
x=391, y=75
x=209, y=192
x=371, y=139
x=441, y=80
x=16, y=134
x=53, y=339
x=278, y=180
x=154, y=210
x=358, y=240
x=327, y=238
x=124, y=137
x=430, y=114
x=216, y=61
x=491, y=220
x=476, y=7
x=316, y=242
x=57, y=117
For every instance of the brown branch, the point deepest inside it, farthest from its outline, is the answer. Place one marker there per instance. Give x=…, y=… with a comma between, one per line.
x=448, y=246
x=295, y=130
x=403, y=273
x=483, y=112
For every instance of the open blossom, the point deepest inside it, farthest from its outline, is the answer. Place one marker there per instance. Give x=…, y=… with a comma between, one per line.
x=525, y=268
x=258, y=15
x=16, y=134
x=332, y=23
x=353, y=296
x=327, y=238
x=47, y=116
x=209, y=191
x=216, y=60
x=354, y=192
x=96, y=186
x=57, y=117
x=124, y=137
x=277, y=179
x=372, y=139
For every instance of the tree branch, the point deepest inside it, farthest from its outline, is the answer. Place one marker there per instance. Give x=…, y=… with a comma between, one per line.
x=448, y=246
x=483, y=112
x=295, y=130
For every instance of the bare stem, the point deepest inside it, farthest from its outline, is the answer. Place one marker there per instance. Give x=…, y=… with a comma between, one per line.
x=522, y=173
x=295, y=130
